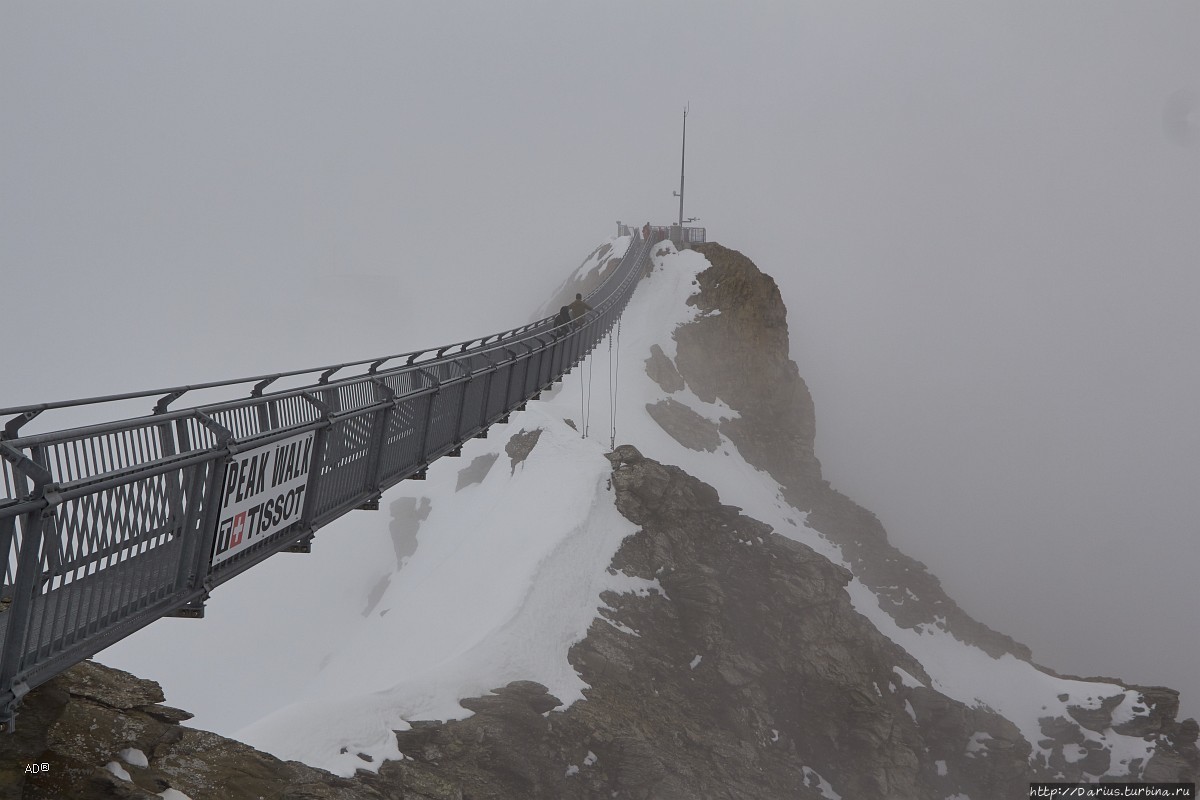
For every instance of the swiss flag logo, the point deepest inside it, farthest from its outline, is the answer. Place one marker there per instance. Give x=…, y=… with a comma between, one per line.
x=239, y=528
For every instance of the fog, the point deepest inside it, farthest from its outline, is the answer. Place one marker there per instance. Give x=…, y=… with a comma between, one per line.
x=983, y=219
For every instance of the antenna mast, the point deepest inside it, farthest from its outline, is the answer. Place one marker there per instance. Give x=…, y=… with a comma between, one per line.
x=682, y=164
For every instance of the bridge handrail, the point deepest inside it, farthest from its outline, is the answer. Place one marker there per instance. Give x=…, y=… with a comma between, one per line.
x=107, y=527
x=24, y=413
x=532, y=331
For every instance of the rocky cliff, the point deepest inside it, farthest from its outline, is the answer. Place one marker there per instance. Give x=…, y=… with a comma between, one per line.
x=747, y=664
x=740, y=356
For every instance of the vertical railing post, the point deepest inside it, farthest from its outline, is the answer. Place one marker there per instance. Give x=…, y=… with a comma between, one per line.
x=191, y=552
x=52, y=547
x=174, y=484
x=8, y=538
x=378, y=437
x=33, y=478
x=437, y=390
x=523, y=360
x=202, y=489
x=268, y=415
x=487, y=391
x=336, y=445
x=462, y=406
x=538, y=385
x=560, y=357
x=577, y=346
x=12, y=656
x=512, y=367
x=262, y=411
x=546, y=372
x=545, y=353
x=316, y=465
x=195, y=563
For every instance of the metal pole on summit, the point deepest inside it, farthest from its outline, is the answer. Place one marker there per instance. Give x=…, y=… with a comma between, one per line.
x=682, y=164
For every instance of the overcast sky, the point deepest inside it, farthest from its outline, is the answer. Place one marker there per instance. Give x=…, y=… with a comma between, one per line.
x=983, y=218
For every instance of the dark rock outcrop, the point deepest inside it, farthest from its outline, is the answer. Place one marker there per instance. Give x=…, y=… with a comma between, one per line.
x=91, y=716
x=684, y=425
x=740, y=669
x=520, y=445
x=662, y=370
x=741, y=356
x=743, y=671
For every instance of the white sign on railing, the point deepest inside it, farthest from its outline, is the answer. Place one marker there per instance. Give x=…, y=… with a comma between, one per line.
x=263, y=493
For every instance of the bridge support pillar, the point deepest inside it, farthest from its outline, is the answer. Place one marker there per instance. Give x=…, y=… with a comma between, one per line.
x=300, y=545
x=192, y=610
x=8, y=709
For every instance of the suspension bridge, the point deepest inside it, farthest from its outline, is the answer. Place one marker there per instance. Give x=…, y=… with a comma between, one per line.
x=108, y=527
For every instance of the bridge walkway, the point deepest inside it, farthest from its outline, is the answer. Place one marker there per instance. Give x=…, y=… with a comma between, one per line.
x=108, y=527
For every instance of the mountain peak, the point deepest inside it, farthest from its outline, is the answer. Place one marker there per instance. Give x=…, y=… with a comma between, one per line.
x=736, y=350
x=696, y=611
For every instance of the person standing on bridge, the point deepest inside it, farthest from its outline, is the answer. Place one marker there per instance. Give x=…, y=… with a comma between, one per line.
x=646, y=232
x=562, y=322
x=578, y=309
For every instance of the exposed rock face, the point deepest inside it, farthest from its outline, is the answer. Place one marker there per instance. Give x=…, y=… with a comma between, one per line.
x=740, y=670
x=740, y=356
x=84, y=719
x=684, y=425
x=520, y=446
x=712, y=677
x=662, y=370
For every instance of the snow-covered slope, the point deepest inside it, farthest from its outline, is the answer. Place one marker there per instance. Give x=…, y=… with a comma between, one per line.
x=493, y=567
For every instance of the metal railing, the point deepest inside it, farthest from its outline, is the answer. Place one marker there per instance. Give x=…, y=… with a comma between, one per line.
x=677, y=235
x=108, y=527
x=657, y=233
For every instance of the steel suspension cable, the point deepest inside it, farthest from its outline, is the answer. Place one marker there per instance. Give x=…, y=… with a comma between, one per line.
x=614, y=378
x=587, y=419
x=610, y=388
